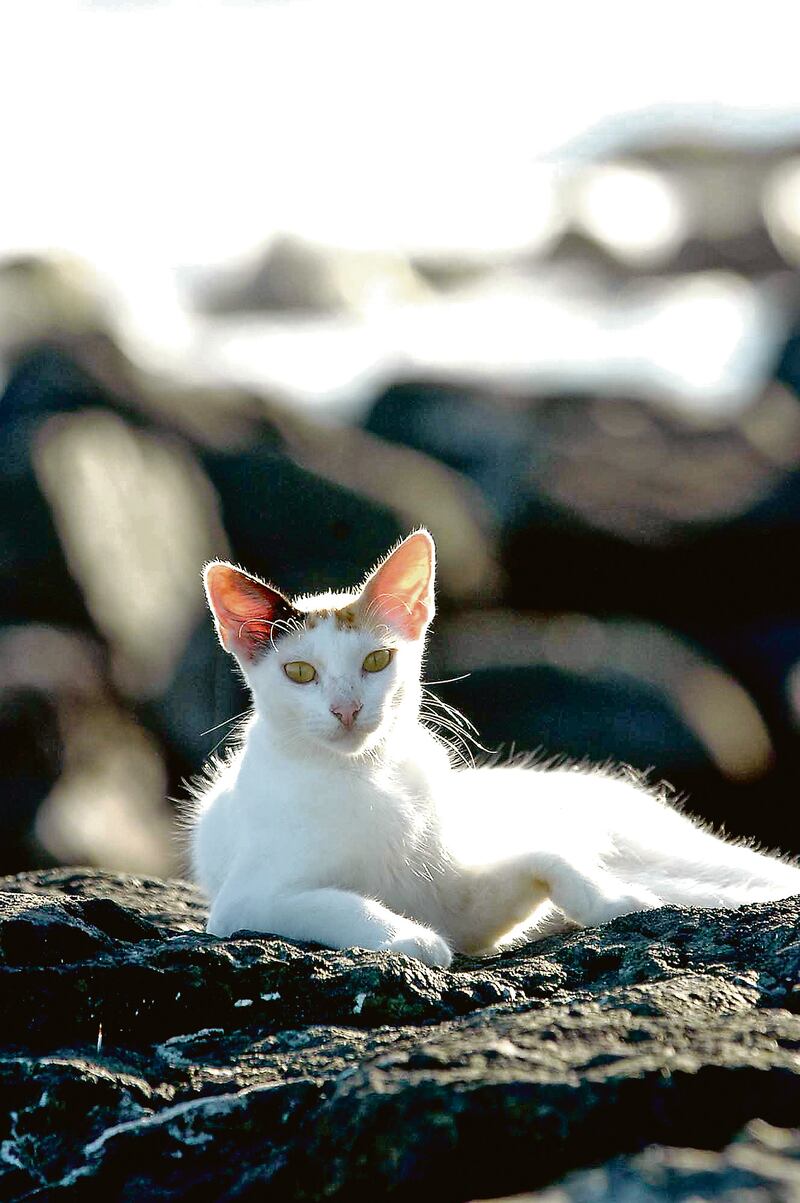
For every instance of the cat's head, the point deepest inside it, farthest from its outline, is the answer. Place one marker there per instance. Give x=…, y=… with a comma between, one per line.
x=336, y=670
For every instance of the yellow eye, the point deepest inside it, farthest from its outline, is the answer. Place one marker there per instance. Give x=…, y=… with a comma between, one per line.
x=377, y=661
x=300, y=672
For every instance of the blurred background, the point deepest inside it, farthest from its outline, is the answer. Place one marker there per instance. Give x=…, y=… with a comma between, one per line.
x=281, y=280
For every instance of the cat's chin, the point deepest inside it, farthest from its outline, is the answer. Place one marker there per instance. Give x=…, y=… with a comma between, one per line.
x=351, y=743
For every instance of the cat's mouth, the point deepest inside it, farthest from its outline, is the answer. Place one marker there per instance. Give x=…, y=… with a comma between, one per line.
x=351, y=739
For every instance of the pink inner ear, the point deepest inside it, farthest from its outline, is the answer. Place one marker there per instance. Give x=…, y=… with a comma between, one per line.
x=400, y=591
x=245, y=610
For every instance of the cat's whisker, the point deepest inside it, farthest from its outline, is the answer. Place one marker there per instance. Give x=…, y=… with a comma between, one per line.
x=437, y=700
x=249, y=621
x=442, y=709
x=448, y=709
x=287, y=625
x=443, y=720
x=232, y=734
x=448, y=680
x=461, y=749
x=382, y=631
x=452, y=725
x=469, y=732
x=371, y=610
x=463, y=739
x=225, y=723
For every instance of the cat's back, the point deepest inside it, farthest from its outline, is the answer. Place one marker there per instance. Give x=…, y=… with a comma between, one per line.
x=488, y=810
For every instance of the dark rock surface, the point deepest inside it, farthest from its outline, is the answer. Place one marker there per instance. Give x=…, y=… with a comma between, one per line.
x=143, y=1059
x=761, y=1166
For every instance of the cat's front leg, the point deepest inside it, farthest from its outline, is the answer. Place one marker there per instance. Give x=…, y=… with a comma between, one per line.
x=337, y=918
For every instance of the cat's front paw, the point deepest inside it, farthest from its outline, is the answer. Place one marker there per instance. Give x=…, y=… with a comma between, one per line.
x=425, y=945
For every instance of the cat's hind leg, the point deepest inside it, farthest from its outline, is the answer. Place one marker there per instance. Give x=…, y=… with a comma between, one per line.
x=589, y=894
x=487, y=901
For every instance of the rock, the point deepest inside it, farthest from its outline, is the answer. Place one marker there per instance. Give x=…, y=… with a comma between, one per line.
x=296, y=276
x=760, y=1166
x=144, y=1059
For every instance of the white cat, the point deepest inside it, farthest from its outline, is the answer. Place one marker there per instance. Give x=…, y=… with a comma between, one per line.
x=342, y=819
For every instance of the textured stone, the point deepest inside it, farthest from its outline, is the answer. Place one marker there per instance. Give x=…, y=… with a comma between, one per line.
x=760, y=1166
x=145, y=1059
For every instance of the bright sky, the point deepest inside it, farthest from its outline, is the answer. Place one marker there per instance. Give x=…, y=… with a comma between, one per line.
x=195, y=129
x=156, y=136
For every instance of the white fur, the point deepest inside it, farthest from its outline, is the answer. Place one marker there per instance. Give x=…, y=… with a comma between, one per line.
x=374, y=838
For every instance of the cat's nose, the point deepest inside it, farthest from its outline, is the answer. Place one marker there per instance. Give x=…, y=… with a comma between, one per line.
x=346, y=712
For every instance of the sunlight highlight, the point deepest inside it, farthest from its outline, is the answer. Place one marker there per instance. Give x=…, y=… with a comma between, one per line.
x=634, y=211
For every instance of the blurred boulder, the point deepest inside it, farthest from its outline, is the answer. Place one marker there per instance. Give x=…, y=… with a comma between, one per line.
x=471, y=431
x=81, y=780
x=419, y=490
x=296, y=276
x=48, y=296
x=651, y=193
x=31, y=760
x=726, y=191
x=614, y=504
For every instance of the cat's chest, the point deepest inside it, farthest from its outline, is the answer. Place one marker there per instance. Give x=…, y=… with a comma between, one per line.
x=319, y=827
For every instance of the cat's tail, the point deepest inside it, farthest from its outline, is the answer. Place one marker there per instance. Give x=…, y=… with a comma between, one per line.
x=688, y=864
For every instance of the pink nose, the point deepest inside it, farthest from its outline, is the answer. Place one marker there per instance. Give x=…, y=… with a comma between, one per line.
x=346, y=712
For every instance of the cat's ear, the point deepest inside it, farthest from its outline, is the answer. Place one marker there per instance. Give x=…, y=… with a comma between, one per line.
x=245, y=610
x=400, y=590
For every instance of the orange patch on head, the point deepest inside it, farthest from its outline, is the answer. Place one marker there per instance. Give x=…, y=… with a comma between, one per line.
x=315, y=617
x=346, y=618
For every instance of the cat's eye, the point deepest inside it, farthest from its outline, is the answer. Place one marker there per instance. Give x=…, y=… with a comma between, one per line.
x=300, y=671
x=378, y=660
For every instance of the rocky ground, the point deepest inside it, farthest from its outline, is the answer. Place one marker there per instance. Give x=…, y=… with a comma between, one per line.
x=143, y=1059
